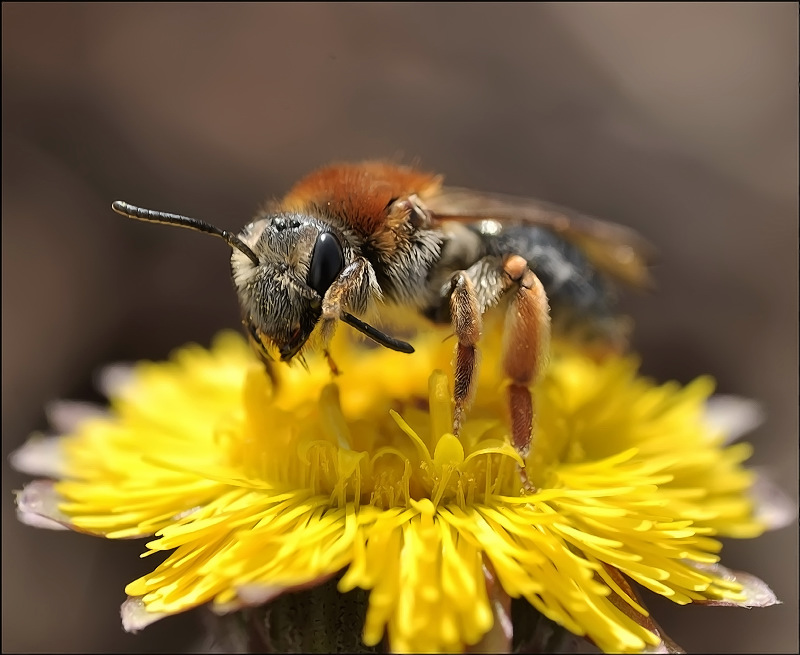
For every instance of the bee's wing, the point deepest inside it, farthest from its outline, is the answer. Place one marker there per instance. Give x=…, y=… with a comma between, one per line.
x=616, y=250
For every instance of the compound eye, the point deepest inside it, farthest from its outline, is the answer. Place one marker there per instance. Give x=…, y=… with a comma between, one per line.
x=326, y=263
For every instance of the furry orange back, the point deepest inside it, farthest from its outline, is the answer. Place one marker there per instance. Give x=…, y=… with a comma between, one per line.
x=359, y=194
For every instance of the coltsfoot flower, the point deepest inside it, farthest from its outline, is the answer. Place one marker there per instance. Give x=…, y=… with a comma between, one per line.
x=256, y=490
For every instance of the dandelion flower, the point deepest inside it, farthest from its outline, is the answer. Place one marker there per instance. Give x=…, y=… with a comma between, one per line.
x=257, y=490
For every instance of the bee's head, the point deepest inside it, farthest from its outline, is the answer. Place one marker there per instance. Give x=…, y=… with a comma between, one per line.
x=282, y=266
x=299, y=258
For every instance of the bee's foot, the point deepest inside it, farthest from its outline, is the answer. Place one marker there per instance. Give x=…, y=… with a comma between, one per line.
x=332, y=365
x=527, y=486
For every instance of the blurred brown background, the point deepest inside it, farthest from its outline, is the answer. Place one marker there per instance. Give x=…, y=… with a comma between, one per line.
x=677, y=119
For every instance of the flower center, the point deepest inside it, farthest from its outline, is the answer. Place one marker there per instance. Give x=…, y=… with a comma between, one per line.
x=387, y=456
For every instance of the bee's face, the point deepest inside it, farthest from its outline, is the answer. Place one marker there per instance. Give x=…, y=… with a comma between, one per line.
x=281, y=298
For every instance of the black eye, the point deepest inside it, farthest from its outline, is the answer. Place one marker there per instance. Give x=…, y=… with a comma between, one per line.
x=326, y=263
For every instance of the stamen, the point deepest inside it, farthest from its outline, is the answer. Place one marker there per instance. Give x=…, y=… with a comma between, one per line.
x=440, y=408
x=424, y=453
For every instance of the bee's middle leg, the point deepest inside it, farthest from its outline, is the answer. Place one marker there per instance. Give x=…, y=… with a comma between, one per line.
x=465, y=315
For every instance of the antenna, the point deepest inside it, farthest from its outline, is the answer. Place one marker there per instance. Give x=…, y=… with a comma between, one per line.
x=376, y=335
x=152, y=216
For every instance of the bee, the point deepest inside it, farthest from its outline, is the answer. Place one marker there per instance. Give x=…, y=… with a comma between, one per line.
x=352, y=242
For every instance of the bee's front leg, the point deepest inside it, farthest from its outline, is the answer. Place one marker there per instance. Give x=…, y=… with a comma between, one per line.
x=351, y=292
x=526, y=345
x=257, y=345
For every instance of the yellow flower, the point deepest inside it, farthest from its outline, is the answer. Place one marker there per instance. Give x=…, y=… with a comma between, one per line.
x=256, y=491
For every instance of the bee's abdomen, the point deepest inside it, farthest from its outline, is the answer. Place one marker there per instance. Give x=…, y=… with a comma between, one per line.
x=580, y=298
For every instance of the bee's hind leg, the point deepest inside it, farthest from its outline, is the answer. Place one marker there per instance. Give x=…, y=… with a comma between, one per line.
x=526, y=349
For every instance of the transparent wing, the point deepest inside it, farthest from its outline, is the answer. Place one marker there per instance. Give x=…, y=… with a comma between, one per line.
x=614, y=249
